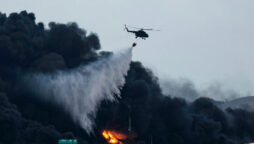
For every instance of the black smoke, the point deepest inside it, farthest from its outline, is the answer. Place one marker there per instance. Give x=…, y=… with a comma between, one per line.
x=27, y=46
x=173, y=120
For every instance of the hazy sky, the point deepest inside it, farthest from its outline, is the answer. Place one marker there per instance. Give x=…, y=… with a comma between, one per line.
x=204, y=41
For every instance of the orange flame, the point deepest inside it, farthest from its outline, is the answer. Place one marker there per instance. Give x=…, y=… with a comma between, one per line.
x=113, y=137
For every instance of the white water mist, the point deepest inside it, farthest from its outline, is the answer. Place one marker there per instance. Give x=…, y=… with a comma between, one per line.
x=81, y=90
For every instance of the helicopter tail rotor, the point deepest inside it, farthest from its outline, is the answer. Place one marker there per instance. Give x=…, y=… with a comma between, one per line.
x=125, y=27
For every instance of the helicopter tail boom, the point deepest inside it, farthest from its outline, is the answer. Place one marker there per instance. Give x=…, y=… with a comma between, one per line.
x=125, y=27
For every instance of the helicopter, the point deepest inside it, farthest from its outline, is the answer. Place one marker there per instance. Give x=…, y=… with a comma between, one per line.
x=139, y=33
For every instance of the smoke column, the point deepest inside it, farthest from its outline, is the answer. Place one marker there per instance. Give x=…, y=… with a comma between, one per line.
x=80, y=91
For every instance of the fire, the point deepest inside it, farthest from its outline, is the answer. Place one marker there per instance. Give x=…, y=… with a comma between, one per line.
x=113, y=137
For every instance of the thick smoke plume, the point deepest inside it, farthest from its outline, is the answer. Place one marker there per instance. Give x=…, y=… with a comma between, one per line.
x=60, y=59
x=80, y=91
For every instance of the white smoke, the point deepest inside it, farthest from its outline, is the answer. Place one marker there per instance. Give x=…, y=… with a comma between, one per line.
x=185, y=88
x=81, y=90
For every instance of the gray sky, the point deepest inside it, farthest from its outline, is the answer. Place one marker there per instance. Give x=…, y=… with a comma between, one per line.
x=204, y=41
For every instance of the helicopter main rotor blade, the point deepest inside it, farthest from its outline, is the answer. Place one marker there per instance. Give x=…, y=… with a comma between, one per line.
x=141, y=28
x=151, y=29
x=133, y=27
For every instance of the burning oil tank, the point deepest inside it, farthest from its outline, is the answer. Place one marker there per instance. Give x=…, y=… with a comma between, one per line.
x=114, y=137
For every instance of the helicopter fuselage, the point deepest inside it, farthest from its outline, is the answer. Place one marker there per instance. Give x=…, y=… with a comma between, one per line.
x=141, y=34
